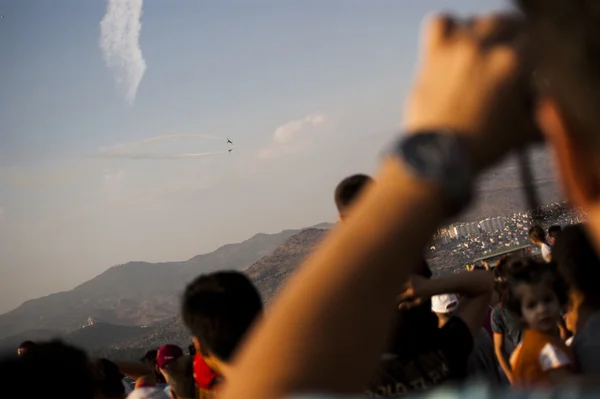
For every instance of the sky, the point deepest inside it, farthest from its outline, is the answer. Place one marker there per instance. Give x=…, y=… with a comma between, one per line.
x=115, y=117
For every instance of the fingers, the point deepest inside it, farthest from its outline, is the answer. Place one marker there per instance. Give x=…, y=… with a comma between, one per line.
x=484, y=31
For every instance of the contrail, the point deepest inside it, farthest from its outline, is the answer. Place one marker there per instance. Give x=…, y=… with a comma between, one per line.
x=114, y=155
x=162, y=138
x=120, y=44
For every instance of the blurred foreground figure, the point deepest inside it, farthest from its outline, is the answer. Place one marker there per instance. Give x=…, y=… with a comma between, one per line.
x=471, y=103
x=53, y=369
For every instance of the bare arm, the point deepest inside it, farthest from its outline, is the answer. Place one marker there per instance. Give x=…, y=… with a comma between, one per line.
x=389, y=227
x=476, y=290
x=133, y=369
x=342, y=299
x=502, y=358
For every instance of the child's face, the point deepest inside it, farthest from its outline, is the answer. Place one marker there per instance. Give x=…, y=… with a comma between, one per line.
x=539, y=306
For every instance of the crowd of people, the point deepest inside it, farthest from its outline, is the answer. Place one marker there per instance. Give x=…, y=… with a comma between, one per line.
x=363, y=314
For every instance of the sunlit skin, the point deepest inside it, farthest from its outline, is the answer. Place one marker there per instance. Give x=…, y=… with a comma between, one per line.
x=540, y=307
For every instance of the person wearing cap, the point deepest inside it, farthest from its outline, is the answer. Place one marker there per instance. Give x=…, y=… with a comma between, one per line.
x=482, y=361
x=166, y=355
x=444, y=306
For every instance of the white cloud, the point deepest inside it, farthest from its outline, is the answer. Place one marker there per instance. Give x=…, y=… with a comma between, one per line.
x=120, y=43
x=293, y=137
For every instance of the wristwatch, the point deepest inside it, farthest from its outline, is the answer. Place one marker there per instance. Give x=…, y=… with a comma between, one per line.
x=440, y=157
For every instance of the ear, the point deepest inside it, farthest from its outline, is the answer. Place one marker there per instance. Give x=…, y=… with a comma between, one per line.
x=576, y=172
x=196, y=343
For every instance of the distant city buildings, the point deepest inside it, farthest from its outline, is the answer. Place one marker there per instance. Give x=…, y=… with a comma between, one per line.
x=459, y=243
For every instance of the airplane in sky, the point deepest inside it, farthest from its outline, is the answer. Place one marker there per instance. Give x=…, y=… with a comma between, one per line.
x=229, y=141
x=231, y=149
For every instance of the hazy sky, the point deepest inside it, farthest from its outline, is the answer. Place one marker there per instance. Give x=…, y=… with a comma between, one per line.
x=308, y=90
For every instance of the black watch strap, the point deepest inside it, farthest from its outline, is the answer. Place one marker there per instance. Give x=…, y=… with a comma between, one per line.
x=440, y=157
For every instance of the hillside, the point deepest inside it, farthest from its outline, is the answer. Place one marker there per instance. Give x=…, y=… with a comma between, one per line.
x=268, y=274
x=135, y=293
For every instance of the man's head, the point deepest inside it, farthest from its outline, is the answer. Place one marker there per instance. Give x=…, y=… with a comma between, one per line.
x=348, y=190
x=553, y=232
x=564, y=50
x=444, y=306
x=578, y=264
x=180, y=376
x=149, y=359
x=537, y=235
x=167, y=354
x=219, y=309
x=24, y=347
x=108, y=380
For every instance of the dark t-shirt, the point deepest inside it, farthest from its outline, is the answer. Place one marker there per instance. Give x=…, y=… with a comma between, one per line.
x=509, y=326
x=444, y=360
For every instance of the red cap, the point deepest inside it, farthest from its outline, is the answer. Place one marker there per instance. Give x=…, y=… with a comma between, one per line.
x=166, y=354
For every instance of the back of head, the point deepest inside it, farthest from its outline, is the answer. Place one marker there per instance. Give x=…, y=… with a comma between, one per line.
x=25, y=346
x=180, y=375
x=219, y=308
x=149, y=359
x=554, y=231
x=53, y=369
x=348, y=190
x=108, y=380
x=565, y=55
x=525, y=270
x=537, y=234
x=578, y=263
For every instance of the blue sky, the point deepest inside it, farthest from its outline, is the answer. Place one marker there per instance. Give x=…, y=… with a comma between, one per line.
x=308, y=90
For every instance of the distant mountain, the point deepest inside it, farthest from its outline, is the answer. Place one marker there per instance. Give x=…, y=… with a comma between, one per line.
x=268, y=274
x=134, y=294
x=90, y=337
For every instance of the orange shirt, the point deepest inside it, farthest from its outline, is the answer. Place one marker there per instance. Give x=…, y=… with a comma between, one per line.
x=536, y=355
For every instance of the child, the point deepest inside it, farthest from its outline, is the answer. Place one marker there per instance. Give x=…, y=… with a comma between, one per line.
x=536, y=293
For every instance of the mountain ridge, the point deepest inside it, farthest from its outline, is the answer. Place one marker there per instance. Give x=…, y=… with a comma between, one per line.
x=124, y=295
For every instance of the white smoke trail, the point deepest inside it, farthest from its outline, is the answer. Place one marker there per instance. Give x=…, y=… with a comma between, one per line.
x=120, y=44
x=161, y=138
x=156, y=156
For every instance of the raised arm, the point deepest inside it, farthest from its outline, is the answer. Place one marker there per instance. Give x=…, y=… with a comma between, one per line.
x=342, y=299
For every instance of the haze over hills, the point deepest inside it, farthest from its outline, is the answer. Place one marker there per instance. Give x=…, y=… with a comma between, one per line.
x=268, y=274
x=135, y=293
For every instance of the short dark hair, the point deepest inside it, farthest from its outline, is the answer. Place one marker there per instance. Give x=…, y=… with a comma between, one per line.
x=525, y=270
x=47, y=366
x=219, y=309
x=554, y=231
x=578, y=263
x=180, y=374
x=537, y=233
x=191, y=350
x=108, y=379
x=149, y=359
x=564, y=48
x=349, y=189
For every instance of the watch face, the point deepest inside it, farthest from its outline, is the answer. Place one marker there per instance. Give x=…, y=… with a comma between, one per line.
x=440, y=157
x=428, y=153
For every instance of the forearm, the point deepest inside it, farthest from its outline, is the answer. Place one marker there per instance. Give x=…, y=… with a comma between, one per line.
x=468, y=284
x=133, y=369
x=504, y=363
x=350, y=280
